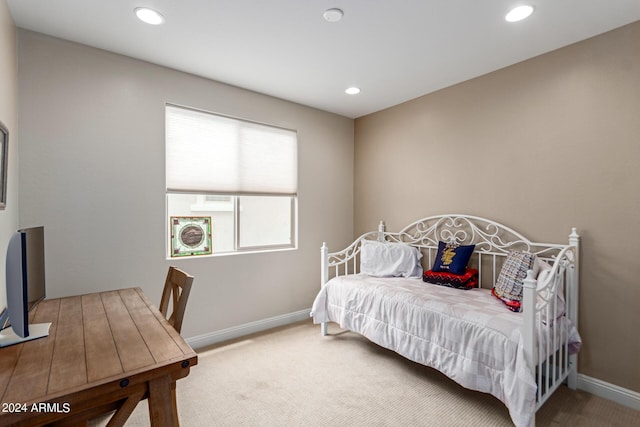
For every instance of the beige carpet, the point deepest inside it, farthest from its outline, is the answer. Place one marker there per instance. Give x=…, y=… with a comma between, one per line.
x=294, y=377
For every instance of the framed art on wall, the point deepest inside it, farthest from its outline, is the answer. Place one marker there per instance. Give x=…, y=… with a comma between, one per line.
x=4, y=162
x=190, y=235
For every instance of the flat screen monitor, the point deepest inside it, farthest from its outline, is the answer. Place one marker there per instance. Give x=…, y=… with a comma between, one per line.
x=33, y=245
x=25, y=284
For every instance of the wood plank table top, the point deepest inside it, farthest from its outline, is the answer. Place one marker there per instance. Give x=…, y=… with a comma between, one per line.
x=104, y=351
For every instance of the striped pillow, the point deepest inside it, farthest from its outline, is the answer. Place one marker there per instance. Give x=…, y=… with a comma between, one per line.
x=508, y=287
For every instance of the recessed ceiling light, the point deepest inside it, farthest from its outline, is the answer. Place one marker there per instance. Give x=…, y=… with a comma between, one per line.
x=333, y=15
x=519, y=13
x=352, y=90
x=149, y=16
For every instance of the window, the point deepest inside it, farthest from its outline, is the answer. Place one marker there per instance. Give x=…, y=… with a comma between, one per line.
x=240, y=174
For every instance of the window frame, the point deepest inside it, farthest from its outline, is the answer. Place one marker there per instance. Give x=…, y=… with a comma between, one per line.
x=262, y=248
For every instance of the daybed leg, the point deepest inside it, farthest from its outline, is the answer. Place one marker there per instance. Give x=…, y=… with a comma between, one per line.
x=324, y=277
x=572, y=379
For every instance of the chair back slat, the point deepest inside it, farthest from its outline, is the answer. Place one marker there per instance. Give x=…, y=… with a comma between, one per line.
x=176, y=289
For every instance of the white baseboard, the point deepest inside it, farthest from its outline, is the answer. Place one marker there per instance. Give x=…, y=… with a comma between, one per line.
x=247, y=329
x=609, y=391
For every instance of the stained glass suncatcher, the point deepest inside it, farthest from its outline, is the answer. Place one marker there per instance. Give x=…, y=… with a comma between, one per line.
x=190, y=236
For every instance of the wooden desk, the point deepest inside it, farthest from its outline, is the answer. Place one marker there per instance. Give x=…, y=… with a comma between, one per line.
x=104, y=351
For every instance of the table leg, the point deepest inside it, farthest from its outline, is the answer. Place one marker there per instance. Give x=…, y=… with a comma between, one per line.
x=162, y=408
x=123, y=413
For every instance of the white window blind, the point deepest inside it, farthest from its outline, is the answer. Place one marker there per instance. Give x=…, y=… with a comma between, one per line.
x=209, y=153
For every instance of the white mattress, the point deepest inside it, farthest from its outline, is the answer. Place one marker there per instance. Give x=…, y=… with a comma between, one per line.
x=469, y=335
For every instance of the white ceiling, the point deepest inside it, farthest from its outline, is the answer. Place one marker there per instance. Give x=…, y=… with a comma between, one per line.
x=394, y=50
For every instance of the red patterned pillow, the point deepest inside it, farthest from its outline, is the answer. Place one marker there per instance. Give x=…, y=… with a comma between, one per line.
x=467, y=280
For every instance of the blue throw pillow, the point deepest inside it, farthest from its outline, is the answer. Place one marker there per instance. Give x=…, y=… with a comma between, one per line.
x=452, y=258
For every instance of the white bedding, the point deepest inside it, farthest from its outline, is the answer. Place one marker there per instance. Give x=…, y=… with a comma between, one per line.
x=467, y=334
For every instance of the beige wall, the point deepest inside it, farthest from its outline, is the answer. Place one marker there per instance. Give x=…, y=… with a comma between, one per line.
x=9, y=117
x=541, y=146
x=92, y=172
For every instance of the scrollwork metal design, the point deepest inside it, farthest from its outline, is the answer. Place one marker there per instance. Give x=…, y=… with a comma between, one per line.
x=348, y=253
x=489, y=237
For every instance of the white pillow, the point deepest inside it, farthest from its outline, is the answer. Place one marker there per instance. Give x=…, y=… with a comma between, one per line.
x=385, y=259
x=543, y=275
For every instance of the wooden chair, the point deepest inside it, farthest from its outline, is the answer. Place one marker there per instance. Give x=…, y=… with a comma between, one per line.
x=176, y=288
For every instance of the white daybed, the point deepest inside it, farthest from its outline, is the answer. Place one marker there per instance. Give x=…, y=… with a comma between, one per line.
x=469, y=335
